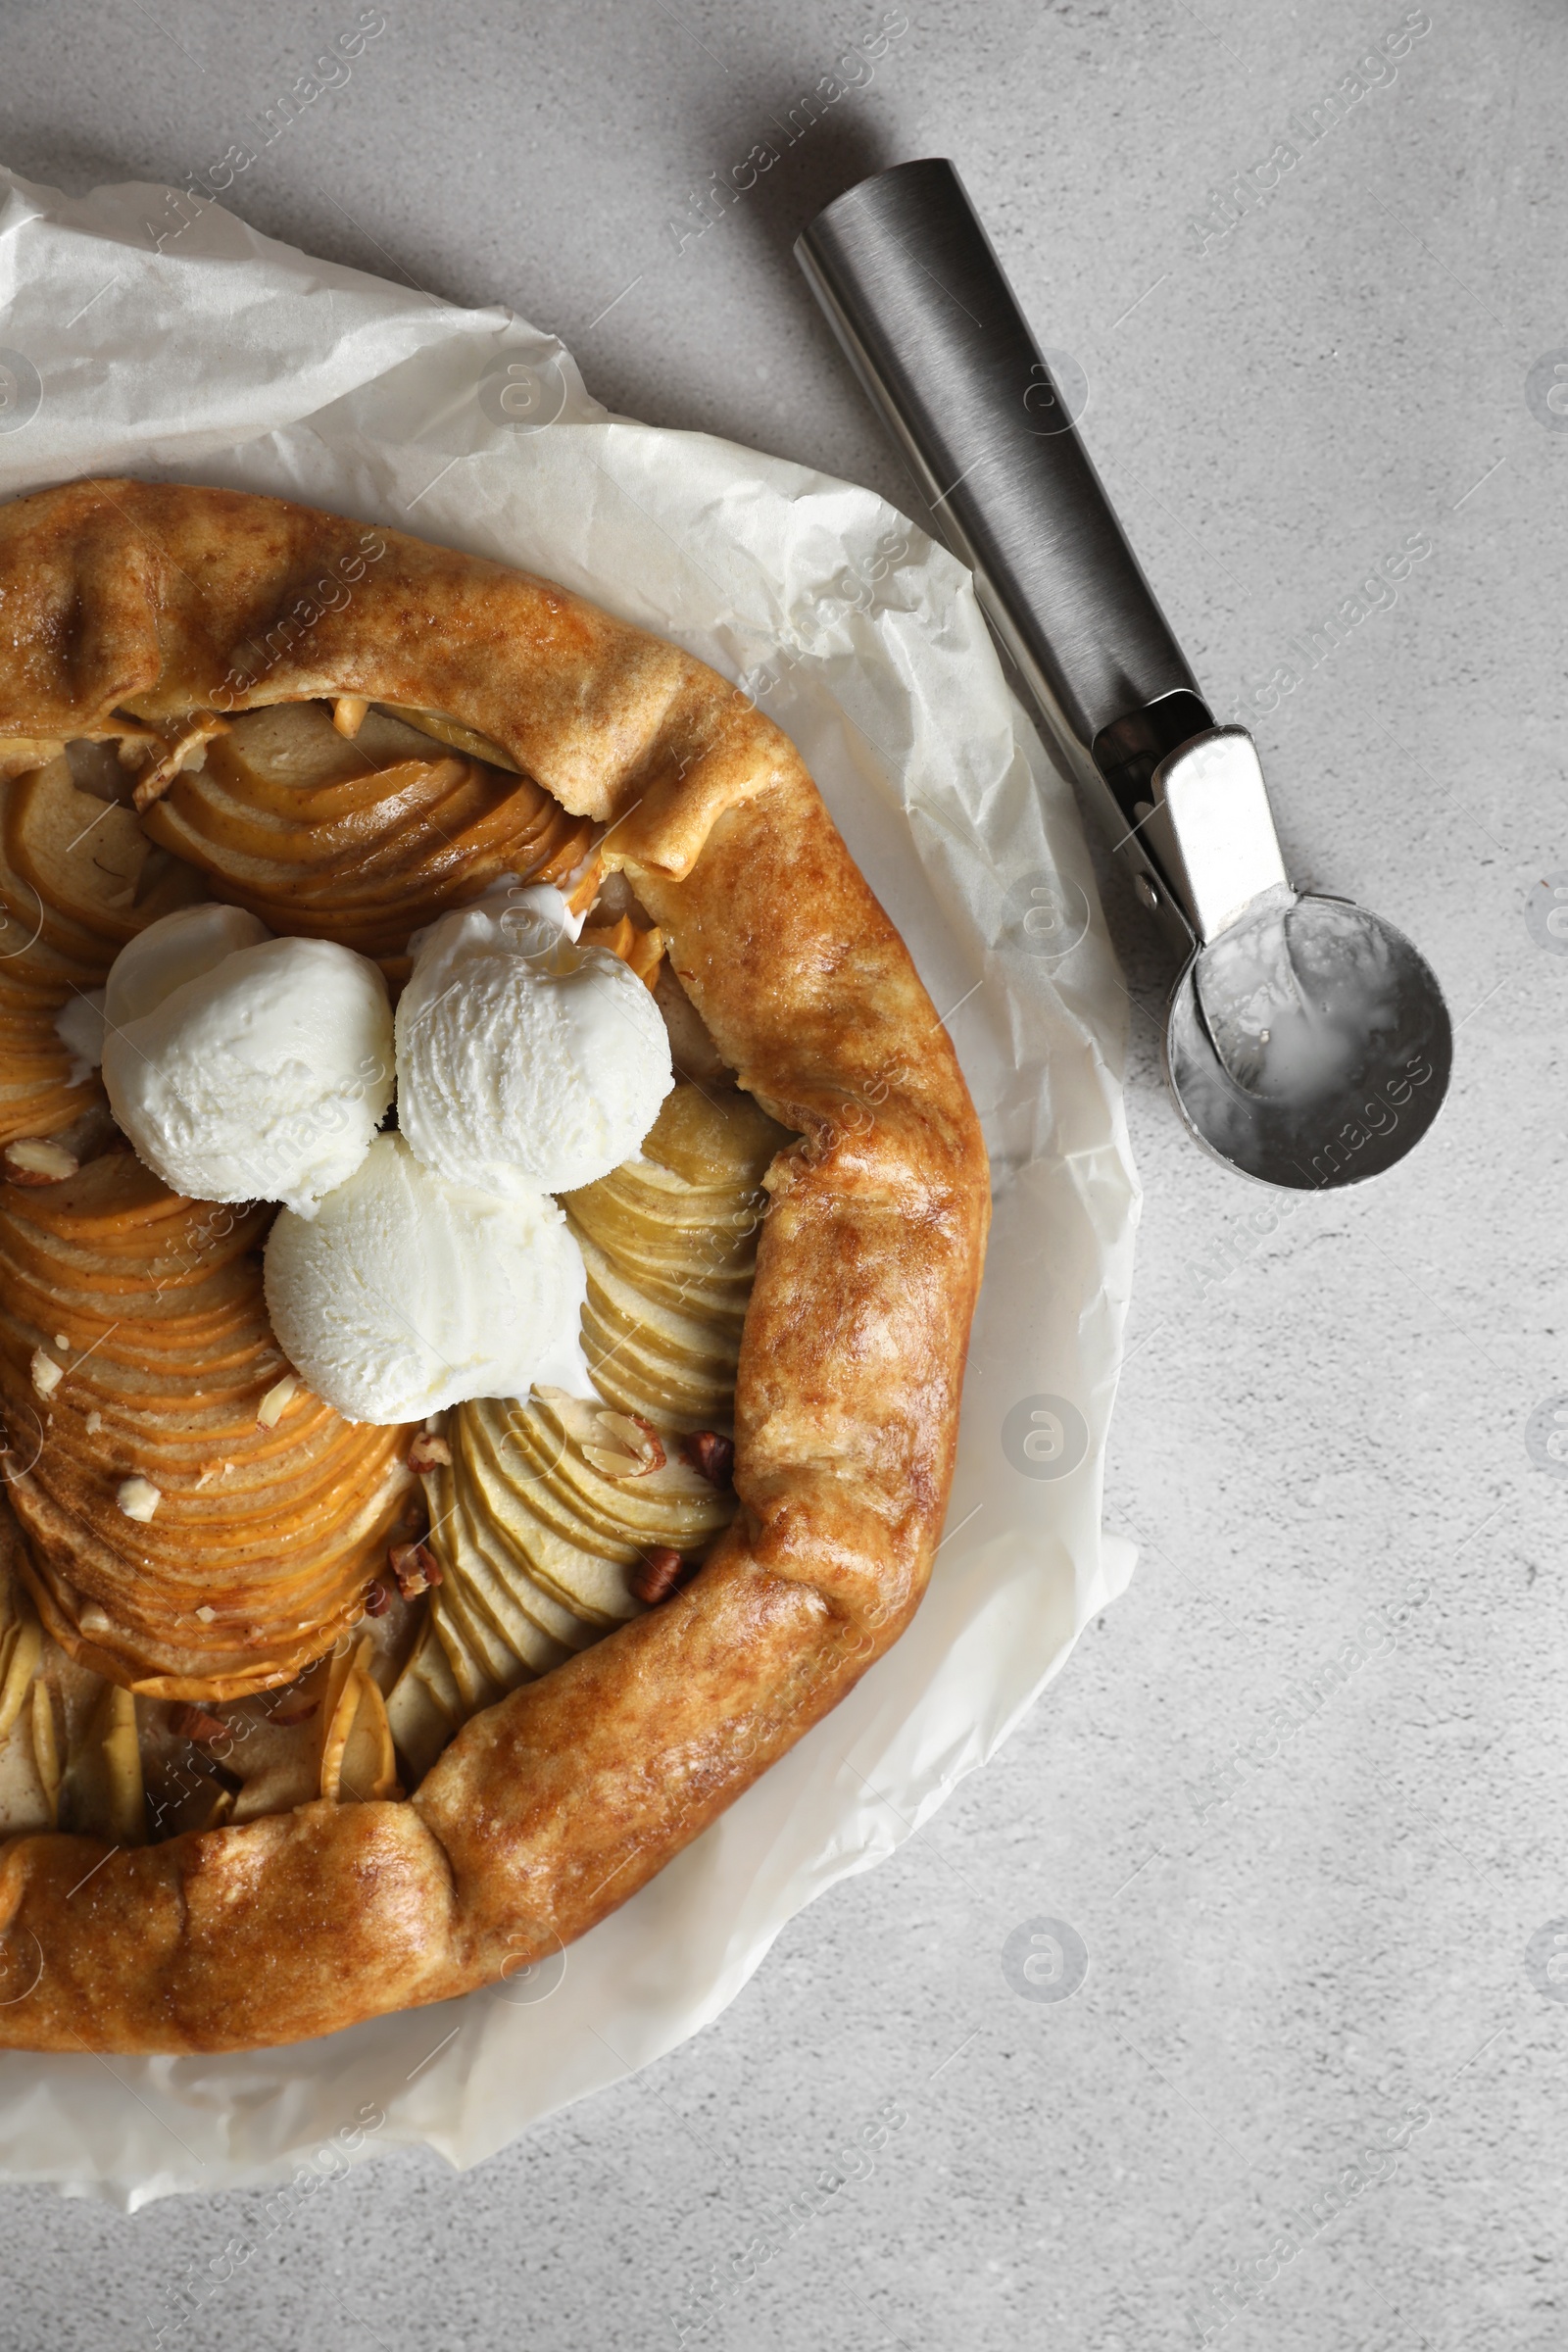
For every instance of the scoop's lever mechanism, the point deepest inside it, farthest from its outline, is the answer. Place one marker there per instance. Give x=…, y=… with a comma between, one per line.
x=1306, y=1042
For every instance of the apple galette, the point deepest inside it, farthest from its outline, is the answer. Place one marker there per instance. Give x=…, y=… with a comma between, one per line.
x=489, y=1230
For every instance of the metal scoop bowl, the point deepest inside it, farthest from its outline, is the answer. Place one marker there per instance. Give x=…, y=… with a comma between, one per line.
x=1308, y=1044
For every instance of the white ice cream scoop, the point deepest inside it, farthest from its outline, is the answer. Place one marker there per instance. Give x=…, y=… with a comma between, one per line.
x=526, y=1062
x=408, y=1293
x=244, y=1068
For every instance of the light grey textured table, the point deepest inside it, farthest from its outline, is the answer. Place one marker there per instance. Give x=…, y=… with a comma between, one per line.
x=1301, y=1793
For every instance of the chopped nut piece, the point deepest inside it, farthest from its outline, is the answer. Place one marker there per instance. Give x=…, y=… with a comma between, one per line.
x=279, y=1397
x=208, y=1616
x=347, y=713
x=377, y=1599
x=139, y=1497
x=195, y=1723
x=63, y=1342
x=416, y=1567
x=638, y=1448
x=427, y=1452
x=95, y=1422
x=711, y=1453
x=46, y=1373
x=33, y=1159
x=660, y=1571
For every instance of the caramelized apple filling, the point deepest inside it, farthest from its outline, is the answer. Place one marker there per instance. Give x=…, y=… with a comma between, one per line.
x=215, y=1600
x=183, y=1536
x=362, y=837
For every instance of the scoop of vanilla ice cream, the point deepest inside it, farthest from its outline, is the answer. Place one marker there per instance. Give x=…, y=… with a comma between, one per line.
x=408, y=1293
x=182, y=947
x=245, y=1067
x=526, y=1062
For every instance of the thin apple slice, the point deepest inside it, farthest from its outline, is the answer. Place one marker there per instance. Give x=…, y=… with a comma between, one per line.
x=590, y=1584
x=482, y=1591
x=686, y=1338
x=500, y=1560
x=425, y=1706
x=436, y=724
x=296, y=747
x=87, y=857
x=706, y=1139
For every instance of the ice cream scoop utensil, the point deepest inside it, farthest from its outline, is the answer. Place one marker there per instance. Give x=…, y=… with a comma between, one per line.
x=1308, y=1042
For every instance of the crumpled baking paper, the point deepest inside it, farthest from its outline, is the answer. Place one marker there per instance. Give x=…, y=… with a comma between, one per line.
x=143, y=333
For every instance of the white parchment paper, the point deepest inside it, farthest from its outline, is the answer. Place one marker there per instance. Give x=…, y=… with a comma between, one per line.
x=141, y=335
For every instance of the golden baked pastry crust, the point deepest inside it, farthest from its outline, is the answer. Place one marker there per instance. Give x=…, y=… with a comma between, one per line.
x=550, y=1808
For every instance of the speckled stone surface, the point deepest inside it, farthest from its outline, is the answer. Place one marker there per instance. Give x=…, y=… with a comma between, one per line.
x=1297, y=1805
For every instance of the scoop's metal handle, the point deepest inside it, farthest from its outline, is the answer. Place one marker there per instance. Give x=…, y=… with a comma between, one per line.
x=1307, y=1042
x=918, y=298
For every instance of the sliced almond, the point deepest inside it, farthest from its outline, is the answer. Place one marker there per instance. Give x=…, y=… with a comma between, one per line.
x=188, y=749
x=635, y=1447
x=275, y=1403
x=33, y=1159
x=46, y=1373
x=138, y=1498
